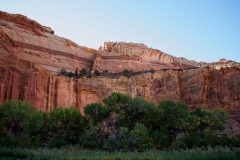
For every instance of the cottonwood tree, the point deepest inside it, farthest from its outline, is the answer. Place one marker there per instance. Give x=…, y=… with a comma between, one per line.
x=173, y=118
x=96, y=112
x=64, y=126
x=117, y=103
x=16, y=118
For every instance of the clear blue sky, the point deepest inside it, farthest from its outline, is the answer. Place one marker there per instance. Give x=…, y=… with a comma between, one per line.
x=201, y=30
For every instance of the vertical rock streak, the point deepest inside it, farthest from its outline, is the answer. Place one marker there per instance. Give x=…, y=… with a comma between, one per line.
x=30, y=55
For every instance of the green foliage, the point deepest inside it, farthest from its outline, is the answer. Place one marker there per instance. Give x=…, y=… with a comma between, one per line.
x=16, y=117
x=57, y=142
x=198, y=139
x=105, y=71
x=74, y=153
x=201, y=127
x=126, y=71
x=210, y=120
x=141, y=135
x=64, y=72
x=96, y=72
x=125, y=139
x=90, y=136
x=97, y=112
x=120, y=140
x=139, y=110
x=192, y=122
x=117, y=103
x=89, y=76
x=82, y=72
x=111, y=145
x=209, y=138
x=121, y=124
x=64, y=125
x=76, y=72
x=36, y=128
x=173, y=117
x=160, y=138
x=70, y=74
x=233, y=141
x=15, y=154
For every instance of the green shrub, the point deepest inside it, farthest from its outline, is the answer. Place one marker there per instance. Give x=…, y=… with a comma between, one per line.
x=141, y=135
x=64, y=72
x=17, y=117
x=96, y=72
x=64, y=126
x=89, y=76
x=96, y=112
x=82, y=72
x=57, y=143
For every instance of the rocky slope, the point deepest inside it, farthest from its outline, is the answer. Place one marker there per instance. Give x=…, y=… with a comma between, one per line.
x=31, y=55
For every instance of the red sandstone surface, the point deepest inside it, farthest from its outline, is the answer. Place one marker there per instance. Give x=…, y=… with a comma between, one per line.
x=31, y=55
x=115, y=57
x=25, y=39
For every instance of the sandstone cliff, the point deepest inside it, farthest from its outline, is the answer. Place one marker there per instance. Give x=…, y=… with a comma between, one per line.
x=205, y=87
x=25, y=39
x=116, y=57
x=31, y=55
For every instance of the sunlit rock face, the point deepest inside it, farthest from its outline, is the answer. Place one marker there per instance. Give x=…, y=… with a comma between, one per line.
x=116, y=57
x=25, y=39
x=31, y=56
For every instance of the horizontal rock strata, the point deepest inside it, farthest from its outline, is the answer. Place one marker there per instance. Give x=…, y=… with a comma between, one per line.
x=116, y=57
x=25, y=39
x=31, y=55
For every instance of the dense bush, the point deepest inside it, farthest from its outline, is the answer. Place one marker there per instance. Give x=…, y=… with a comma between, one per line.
x=18, y=120
x=96, y=112
x=24, y=126
x=64, y=126
x=121, y=123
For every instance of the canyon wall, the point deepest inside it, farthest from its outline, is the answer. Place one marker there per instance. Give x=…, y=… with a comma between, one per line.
x=25, y=39
x=209, y=88
x=31, y=56
x=116, y=57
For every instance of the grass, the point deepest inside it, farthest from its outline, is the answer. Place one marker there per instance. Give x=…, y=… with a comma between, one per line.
x=74, y=153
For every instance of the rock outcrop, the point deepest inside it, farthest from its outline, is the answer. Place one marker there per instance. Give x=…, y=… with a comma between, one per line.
x=116, y=57
x=25, y=39
x=31, y=55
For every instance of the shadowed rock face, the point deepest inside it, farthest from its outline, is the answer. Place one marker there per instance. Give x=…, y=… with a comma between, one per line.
x=31, y=55
x=209, y=88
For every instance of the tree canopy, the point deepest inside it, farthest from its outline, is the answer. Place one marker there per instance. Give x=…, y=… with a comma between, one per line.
x=119, y=123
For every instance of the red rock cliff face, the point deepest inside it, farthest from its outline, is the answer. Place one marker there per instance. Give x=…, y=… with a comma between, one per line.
x=116, y=57
x=31, y=55
x=25, y=39
x=43, y=89
x=209, y=88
